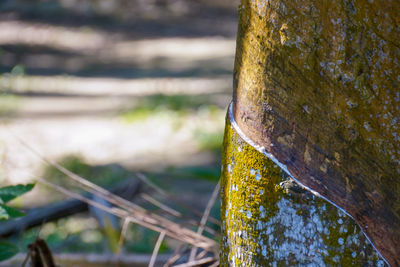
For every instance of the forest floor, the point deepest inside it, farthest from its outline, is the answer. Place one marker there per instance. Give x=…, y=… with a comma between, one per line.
x=145, y=91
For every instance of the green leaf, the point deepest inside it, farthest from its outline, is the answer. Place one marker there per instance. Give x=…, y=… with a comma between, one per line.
x=7, y=250
x=7, y=212
x=10, y=192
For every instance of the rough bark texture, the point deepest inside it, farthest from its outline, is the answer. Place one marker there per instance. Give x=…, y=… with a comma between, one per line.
x=316, y=84
x=268, y=220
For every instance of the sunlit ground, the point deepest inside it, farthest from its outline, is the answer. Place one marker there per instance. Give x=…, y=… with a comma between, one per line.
x=121, y=92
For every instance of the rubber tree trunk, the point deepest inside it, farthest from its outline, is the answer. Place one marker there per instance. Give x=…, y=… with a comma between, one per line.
x=316, y=91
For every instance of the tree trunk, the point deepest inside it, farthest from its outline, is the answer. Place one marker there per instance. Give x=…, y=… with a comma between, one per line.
x=316, y=89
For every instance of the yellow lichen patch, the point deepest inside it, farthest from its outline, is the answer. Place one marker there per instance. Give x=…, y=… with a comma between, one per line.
x=283, y=31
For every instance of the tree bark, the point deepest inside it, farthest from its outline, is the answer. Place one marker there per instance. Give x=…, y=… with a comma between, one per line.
x=316, y=88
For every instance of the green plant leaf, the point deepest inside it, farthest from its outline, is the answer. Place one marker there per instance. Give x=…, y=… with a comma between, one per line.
x=7, y=250
x=10, y=192
x=7, y=212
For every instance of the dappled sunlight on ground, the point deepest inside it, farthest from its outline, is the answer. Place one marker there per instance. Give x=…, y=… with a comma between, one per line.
x=46, y=49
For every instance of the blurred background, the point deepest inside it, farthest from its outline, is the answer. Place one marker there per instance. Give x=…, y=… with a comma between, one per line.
x=110, y=88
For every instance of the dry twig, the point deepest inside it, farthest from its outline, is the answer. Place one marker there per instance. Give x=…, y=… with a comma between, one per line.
x=123, y=234
x=156, y=249
x=204, y=219
x=178, y=254
x=162, y=206
x=161, y=191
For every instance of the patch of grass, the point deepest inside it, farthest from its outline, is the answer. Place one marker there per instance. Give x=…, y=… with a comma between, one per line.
x=174, y=102
x=209, y=173
x=137, y=114
x=172, y=105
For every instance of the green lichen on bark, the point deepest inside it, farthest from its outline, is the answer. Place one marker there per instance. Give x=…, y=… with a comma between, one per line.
x=268, y=220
